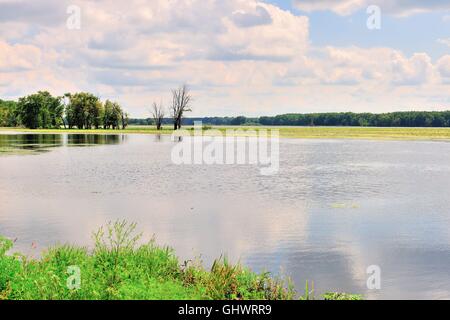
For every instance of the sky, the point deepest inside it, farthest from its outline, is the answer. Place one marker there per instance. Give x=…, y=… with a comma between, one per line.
x=239, y=57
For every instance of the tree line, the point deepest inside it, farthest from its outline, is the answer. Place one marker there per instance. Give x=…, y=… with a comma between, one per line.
x=85, y=111
x=82, y=110
x=393, y=119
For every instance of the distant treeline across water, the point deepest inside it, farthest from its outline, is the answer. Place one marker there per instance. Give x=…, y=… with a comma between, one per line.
x=85, y=111
x=393, y=119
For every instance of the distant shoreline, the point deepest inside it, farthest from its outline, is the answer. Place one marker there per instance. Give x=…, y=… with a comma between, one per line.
x=360, y=133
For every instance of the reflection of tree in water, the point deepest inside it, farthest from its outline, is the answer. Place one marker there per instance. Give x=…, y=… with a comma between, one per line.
x=28, y=143
x=178, y=139
x=30, y=140
x=38, y=143
x=94, y=139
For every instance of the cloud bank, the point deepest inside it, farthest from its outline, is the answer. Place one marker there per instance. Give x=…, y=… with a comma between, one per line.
x=239, y=57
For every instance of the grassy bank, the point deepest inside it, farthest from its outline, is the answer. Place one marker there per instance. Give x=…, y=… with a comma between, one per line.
x=369, y=133
x=118, y=268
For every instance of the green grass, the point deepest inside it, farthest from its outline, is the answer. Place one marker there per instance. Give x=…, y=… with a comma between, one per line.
x=341, y=296
x=370, y=133
x=118, y=268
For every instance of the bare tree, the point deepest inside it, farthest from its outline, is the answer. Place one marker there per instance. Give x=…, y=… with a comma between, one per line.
x=124, y=118
x=158, y=114
x=181, y=99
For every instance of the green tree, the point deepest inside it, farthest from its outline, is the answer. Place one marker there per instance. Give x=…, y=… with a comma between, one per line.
x=239, y=121
x=113, y=116
x=40, y=110
x=84, y=110
x=8, y=114
x=29, y=110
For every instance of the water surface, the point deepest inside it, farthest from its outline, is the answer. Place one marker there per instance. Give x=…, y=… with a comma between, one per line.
x=335, y=208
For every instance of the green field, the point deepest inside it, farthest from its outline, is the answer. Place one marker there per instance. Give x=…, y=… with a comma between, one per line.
x=118, y=268
x=371, y=133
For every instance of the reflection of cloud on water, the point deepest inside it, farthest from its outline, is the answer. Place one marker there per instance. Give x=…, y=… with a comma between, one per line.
x=414, y=263
x=47, y=222
x=195, y=225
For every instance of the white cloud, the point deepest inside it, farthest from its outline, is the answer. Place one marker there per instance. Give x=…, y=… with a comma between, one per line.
x=250, y=19
x=443, y=66
x=382, y=66
x=283, y=39
x=413, y=71
x=18, y=57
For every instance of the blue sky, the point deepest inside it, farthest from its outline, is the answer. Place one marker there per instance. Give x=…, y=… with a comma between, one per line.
x=284, y=4
x=238, y=56
x=412, y=33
